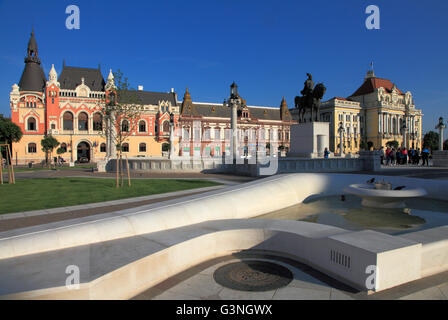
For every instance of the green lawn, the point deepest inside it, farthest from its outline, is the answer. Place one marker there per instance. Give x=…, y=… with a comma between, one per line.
x=36, y=194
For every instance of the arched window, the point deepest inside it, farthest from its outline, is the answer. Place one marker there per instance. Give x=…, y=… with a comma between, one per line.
x=103, y=147
x=32, y=148
x=125, y=147
x=166, y=126
x=31, y=124
x=64, y=147
x=142, y=147
x=142, y=126
x=68, y=121
x=97, y=122
x=125, y=126
x=83, y=121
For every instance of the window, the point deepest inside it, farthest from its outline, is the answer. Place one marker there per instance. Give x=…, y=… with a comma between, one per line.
x=98, y=122
x=125, y=126
x=166, y=126
x=67, y=121
x=217, y=133
x=142, y=147
x=53, y=126
x=83, y=121
x=125, y=147
x=64, y=147
x=142, y=126
x=103, y=147
x=31, y=124
x=32, y=148
x=206, y=134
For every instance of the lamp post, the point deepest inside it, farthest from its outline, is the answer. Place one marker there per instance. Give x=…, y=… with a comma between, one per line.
x=171, y=155
x=440, y=126
x=233, y=102
x=404, y=130
x=341, y=132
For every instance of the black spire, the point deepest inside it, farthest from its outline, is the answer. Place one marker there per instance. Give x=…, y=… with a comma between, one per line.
x=33, y=76
x=32, y=46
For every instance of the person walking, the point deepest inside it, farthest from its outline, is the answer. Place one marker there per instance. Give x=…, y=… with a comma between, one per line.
x=392, y=157
x=404, y=156
x=388, y=156
x=382, y=155
x=398, y=156
x=326, y=153
x=425, y=156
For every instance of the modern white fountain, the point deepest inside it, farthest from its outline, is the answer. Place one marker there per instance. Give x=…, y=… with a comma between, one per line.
x=382, y=195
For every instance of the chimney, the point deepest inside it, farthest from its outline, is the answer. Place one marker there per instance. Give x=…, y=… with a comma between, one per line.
x=140, y=88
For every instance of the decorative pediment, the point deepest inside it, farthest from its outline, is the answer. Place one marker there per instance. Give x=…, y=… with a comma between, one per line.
x=82, y=90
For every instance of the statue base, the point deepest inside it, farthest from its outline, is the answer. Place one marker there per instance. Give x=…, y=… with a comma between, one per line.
x=309, y=140
x=440, y=158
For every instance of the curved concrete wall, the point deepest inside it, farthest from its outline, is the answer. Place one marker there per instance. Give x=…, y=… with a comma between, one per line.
x=237, y=202
x=126, y=276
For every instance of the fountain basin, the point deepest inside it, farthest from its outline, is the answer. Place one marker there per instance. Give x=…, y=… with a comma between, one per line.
x=380, y=198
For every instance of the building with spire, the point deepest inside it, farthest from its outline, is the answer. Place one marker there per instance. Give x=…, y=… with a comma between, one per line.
x=70, y=106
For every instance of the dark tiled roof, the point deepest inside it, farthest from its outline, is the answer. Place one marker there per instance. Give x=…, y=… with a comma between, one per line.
x=370, y=84
x=70, y=78
x=147, y=97
x=33, y=78
x=219, y=111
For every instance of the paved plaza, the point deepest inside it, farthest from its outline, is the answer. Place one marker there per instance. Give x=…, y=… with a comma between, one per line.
x=198, y=283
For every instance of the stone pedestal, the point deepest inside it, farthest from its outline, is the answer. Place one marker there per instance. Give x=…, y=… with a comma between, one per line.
x=440, y=158
x=309, y=140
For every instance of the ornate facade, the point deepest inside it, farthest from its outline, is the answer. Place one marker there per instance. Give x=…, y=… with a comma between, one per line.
x=377, y=112
x=69, y=108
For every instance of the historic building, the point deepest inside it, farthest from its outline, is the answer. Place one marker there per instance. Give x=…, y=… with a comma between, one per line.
x=376, y=113
x=205, y=128
x=69, y=107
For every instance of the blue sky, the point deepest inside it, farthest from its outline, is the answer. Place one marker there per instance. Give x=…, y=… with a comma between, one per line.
x=267, y=47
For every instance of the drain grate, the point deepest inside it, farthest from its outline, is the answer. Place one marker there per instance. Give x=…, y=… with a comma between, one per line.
x=253, y=275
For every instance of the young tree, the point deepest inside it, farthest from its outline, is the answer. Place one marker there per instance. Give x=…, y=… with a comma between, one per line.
x=49, y=143
x=9, y=131
x=121, y=111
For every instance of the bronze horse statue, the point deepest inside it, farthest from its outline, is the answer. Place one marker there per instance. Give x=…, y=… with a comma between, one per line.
x=310, y=101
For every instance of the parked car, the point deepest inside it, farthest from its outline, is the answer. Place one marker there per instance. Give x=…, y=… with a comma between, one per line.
x=82, y=160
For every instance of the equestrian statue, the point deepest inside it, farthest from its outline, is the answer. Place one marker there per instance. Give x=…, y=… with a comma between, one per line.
x=310, y=99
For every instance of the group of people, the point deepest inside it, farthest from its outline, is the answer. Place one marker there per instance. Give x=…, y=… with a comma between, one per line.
x=58, y=161
x=402, y=156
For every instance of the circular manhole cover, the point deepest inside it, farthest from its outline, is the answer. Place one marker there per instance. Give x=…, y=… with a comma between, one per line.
x=253, y=275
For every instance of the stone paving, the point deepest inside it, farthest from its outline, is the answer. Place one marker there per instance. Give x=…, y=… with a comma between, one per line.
x=308, y=284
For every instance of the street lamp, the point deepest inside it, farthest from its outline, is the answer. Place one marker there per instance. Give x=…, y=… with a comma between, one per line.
x=403, y=132
x=441, y=125
x=341, y=132
x=233, y=102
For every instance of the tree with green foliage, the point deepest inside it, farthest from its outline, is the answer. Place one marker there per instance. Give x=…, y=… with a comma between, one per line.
x=431, y=140
x=121, y=112
x=392, y=144
x=9, y=131
x=363, y=145
x=49, y=143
